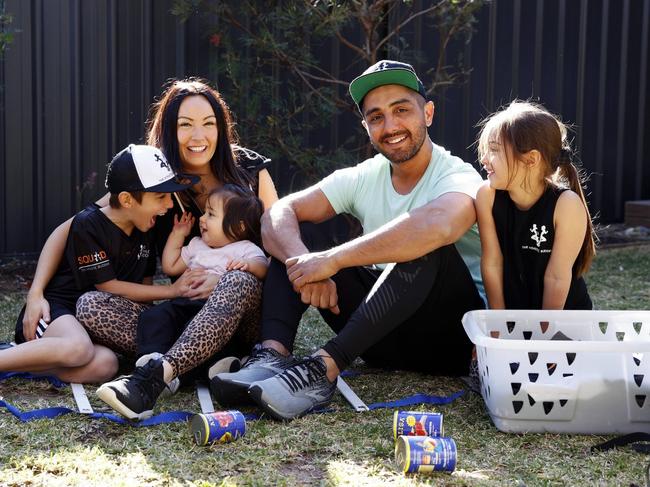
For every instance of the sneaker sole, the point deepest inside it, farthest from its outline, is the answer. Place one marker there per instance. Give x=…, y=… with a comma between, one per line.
x=255, y=392
x=228, y=393
x=108, y=395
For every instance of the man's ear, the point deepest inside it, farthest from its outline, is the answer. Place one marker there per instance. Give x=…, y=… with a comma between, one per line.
x=365, y=125
x=126, y=199
x=429, y=111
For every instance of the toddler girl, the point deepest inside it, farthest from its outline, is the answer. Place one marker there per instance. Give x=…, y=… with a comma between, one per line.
x=230, y=240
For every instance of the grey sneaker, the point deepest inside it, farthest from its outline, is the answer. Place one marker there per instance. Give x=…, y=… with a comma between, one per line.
x=295, y=392
x=172, y=387
x=230, y=388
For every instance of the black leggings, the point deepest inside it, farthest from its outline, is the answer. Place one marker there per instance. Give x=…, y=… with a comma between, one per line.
x=407, y=317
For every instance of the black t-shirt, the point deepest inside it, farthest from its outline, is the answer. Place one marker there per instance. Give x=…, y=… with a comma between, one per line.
x=97, y=251
x=249, y=161
x=526, y=240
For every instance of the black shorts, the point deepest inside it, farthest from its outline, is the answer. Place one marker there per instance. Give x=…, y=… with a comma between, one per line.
x=58, y=308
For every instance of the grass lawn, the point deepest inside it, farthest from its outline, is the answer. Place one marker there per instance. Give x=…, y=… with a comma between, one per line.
x=342, y=448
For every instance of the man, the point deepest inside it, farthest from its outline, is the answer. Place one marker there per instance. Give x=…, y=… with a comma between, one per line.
x=395, y=295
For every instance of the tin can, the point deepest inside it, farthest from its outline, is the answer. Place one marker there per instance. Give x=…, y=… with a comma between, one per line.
x=218, y=427
x=414, y=423
x=424, y=454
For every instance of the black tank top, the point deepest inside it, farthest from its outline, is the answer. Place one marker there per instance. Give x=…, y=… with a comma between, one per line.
x=526, y=239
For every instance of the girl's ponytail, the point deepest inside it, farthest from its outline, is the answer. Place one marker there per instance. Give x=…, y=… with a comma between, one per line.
x=571, y=175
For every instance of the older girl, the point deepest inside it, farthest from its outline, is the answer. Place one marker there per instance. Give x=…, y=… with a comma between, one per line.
x=536, y=233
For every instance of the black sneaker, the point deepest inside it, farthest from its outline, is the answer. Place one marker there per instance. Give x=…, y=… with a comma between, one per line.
x=230, y=388
x=473, y=380
x=295, y=392
x=134, y=396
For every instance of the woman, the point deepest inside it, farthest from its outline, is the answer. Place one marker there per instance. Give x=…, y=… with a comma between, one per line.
x=193, y=127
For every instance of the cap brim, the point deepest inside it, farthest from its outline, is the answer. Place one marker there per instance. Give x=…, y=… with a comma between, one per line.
x=359, y=87
x=178, y=183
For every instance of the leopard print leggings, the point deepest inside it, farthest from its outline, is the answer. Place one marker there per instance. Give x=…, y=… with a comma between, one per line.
x=232, y=307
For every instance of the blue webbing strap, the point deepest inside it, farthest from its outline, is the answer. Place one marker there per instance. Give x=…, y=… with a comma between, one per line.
x=176, y=416
x=416, y=399
x=50, y=413
x=45, y=413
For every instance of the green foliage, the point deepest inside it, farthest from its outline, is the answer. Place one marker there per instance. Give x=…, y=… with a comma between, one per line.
x=6, y=35
x=272, y=59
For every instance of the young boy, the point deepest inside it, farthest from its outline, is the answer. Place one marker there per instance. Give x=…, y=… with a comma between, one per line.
x=108, y=249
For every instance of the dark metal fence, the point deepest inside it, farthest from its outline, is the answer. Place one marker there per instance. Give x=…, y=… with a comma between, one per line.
x=76, y=83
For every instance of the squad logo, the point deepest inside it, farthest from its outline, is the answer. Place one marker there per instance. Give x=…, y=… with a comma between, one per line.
x=91, y=259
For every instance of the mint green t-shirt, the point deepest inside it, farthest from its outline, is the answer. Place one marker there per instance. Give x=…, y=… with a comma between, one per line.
x=366, y=192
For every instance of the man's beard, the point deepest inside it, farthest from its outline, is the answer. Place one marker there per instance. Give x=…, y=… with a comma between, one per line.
x=407, y=153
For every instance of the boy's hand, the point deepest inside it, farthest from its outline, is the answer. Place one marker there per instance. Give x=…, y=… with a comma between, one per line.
x=237, y=265
x=183, y=226
x=35, y=309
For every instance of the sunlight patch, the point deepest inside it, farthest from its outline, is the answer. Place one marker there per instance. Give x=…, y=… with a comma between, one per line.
x=346, y=472
x=83, y=466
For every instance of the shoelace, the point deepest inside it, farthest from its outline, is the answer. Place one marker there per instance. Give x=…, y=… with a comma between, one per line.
x=258, y=355
x=149, y=385
x=261, y=353
x=303, y=374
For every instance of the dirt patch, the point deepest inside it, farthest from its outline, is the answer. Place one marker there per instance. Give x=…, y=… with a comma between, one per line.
x=302, y=471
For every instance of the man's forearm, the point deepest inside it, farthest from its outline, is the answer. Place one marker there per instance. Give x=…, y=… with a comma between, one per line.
x=281, y=233
x=405, y=238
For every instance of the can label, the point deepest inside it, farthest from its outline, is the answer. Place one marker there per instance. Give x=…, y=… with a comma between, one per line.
x=414, y=423
x=423, y=454
x=218, y=427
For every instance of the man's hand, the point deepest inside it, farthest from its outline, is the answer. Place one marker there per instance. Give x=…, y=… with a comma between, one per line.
x=306, y=268
x=202, y=284
x=35, y=309
x=321, y=294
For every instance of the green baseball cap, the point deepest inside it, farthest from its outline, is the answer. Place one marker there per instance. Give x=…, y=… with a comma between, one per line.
x=382, y=73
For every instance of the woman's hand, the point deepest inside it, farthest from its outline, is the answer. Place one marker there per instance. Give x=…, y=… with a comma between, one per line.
x=201, y=283
x=36, y=308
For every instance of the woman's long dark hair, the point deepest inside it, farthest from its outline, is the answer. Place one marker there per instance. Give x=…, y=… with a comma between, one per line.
x=162, y=129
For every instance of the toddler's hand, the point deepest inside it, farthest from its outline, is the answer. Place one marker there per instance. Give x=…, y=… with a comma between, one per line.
x=184, y=225
x=237, y=265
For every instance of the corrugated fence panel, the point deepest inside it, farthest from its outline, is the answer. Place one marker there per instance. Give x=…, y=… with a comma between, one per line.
x=78, y=79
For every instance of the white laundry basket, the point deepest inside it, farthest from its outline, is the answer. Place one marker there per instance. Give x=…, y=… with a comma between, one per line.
x=564, y=371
